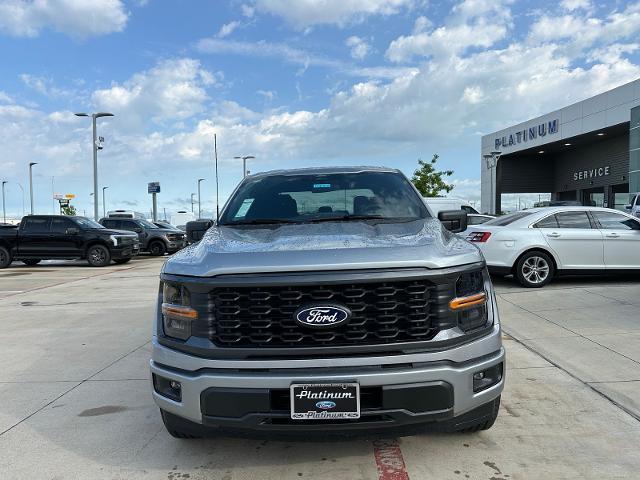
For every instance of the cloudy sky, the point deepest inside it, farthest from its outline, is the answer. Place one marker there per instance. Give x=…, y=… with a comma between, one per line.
x=293, y=82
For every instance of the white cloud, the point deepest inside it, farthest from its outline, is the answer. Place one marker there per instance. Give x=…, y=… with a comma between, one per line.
x=295, y=56
x=76, y=18
x=472, y=23
x=269, y=95
x=571, y=5
x=171, y=91
x=248, y=11
x=5, y=98
x=44, y=86
x=359, y=47
x=305, y=13
x=227, y=29
x=580, y=31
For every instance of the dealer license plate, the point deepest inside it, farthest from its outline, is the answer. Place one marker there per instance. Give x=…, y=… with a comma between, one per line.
x=319, y=401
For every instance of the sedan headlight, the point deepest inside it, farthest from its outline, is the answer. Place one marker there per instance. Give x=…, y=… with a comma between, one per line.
x=177, y=314
x=470, y=302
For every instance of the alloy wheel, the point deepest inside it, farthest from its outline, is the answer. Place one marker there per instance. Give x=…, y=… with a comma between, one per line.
x=535, y=270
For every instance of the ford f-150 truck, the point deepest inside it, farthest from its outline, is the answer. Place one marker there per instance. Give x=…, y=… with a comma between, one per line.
x=41, y=237
x=327, y=299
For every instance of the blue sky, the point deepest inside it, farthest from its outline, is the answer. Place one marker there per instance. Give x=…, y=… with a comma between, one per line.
x=294, y=82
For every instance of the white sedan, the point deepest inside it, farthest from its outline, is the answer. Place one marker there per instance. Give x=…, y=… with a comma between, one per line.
x=536, y=244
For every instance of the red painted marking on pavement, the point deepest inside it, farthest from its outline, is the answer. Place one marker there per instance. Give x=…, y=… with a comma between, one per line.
x=389, y=460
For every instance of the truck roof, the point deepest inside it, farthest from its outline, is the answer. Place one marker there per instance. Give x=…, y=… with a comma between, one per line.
x=324, y=170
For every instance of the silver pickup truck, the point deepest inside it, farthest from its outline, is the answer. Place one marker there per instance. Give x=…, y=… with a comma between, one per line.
x=327, y=299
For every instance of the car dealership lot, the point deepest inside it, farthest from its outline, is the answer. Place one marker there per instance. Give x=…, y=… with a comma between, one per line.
x=75, y=399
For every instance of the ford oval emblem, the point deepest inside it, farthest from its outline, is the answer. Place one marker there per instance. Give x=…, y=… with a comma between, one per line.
x=322, y=316
x=326, y=405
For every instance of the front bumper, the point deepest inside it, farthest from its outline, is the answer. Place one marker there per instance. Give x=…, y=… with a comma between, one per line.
x=174, y=246
x=125, y=251
x=247, y=383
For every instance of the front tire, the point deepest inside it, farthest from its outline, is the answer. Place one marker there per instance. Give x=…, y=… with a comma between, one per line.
x=31, y=261
x=157, y=248
x=534, y=269
x=98, y=256
x=5, y=257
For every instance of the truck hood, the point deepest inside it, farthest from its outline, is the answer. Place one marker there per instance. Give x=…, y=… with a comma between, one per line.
x=322, y=246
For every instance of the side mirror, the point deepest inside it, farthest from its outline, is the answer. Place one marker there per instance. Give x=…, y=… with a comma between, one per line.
x=627, y=207
x=72, y=231
x=453, y=220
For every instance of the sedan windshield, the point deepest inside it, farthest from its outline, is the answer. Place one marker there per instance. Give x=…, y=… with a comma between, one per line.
x=380, y=196
x=508, y=219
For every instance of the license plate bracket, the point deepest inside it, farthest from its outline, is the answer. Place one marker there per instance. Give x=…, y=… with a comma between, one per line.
x=325, y=401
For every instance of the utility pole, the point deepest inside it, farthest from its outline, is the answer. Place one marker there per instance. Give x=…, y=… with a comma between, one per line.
x=96, y=146
x=104, y=203
x=4, y=211
x=192, y=202
x=31, y=164
x=244, y=163
x=199, y=199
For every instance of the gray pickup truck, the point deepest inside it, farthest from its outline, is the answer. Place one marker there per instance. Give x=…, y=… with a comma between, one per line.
x=327, y=299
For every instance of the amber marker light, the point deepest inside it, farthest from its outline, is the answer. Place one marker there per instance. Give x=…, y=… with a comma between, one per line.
x=461, y=303
x=175, y=311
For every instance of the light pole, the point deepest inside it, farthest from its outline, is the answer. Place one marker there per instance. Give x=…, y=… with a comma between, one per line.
x=492, y=161
x=244, y=163
x=31, y=164
x=199, y=197
x=22, y=190
x=96, y=147
x=192, y=202
x=104, y=203
x=4, y=212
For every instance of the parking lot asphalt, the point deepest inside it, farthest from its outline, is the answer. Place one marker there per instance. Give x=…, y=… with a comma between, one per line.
x=75, y=397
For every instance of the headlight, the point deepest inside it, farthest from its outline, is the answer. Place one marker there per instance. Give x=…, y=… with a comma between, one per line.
x=470, y=302
x=177, y=314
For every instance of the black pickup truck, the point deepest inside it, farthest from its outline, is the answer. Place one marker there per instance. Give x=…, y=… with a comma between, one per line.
x=40, y=237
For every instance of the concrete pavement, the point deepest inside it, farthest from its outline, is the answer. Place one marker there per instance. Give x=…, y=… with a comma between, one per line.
x=75, y=397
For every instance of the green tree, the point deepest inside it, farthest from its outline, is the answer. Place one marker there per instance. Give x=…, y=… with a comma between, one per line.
x=429, y=181
x=68, y=210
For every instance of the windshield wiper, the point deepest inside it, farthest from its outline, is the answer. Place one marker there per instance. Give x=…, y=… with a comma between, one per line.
x=259, y=221
x=348, y=218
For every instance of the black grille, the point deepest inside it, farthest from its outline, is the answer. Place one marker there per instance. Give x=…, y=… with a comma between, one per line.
x=263, y=317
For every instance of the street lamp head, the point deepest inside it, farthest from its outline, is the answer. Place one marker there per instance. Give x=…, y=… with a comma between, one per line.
x=103, y=114
x=104, y=188
x=81, y=114
x=201, y=179
x=31, y=164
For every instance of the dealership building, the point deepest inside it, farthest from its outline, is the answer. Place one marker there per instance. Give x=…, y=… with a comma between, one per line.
x=588, y=151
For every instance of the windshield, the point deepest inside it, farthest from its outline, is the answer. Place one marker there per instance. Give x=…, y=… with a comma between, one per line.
x=508, y=219
x=385, y=196
x=146, y=224
x=85, y=222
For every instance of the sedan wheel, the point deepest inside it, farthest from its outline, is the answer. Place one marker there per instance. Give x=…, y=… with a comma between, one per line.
x=534, y=269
